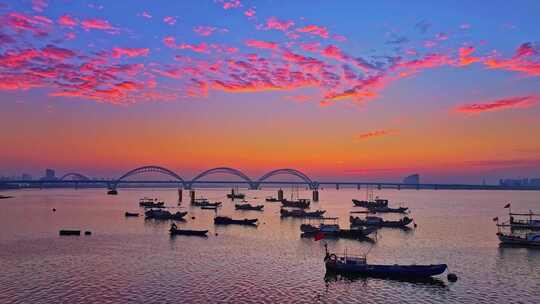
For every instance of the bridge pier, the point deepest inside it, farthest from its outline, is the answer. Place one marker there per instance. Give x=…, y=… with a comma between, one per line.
x=192, y=195
x=358, y=186
x=399, y=186
x=280, y=194
x=179, y=195
x=379, y=186
x=315, y=195
x=337, y=186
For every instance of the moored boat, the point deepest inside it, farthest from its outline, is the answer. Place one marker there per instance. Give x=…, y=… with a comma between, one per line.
x=235, y=194
x=131, y=214
x=388, y=209
x=377, y=203
x=529, y=239
x=302, y=203
x=176, y=231
x=158, y=214
x=379, y=222
x=524, y=221
x=202, y=202
x=301, y=213
x=209, y=207
x=272, y=199
x=247, y=206
x=350, y=264
x=225, y=220
x=151, y=203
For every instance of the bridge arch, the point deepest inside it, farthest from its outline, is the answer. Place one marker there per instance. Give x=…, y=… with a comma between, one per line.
x=219, y=170
x=146, y=169
x=287, y=171
x=74, y=175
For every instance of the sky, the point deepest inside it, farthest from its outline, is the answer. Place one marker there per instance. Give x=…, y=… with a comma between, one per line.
x=343, y=90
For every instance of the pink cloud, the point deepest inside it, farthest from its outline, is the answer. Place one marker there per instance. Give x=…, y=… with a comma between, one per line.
x=204, y=30
x=333, y=51
x=97, y=24
x=261, y=44
x=273, y=23
x=526, y=60
x=67, y=20
x=500, y=104
x=38, y=25
x=250, y=13
x=39, y=5
x=465, y=57
x=129, y=52
x=230, y=4
x=376, y=133
x=169, y=20
x=314, y=30
x=146, y=14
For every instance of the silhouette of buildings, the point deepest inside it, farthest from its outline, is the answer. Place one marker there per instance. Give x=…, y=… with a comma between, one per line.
x=50, y=174
x=413, y=179
x=533, y=182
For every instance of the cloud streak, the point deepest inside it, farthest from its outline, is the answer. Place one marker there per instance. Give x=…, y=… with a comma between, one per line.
x=518, y=102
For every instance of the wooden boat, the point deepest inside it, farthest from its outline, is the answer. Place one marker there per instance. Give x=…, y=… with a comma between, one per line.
x=130, y=214
x=69, y=232
x=379, y=222
x=334, y=231
x=371, y=204
x=112, y=192
x=302, y=203
x=225, y=220
x=5, y=196
x=247, y=206
x=157, y=214
x=301, y=213
x=350, y=264
x=272, y=199
x=529, y=239
x=204, y=203
x=388, y=209
x=327, y=225
x=151, y=203
x=175, y=231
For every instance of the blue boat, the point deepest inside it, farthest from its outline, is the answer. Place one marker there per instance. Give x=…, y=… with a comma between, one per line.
x=358, y=265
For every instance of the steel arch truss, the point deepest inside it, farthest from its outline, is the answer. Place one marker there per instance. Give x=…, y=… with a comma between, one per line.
x=294, y=172
x=147, y=169
x=221, y=170
x=75, y=176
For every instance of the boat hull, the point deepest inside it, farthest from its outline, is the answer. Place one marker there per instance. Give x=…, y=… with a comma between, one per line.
x=188, y=232
x=518, y=241
x=387, y=271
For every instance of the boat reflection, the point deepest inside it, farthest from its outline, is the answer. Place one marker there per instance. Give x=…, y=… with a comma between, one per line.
x=331, y=277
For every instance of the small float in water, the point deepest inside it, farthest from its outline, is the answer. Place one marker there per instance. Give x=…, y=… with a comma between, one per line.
x=131, y=214
x=272, y=199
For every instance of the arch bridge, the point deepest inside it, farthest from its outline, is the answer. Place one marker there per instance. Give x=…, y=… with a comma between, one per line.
x=286, y=171
x=220, y=170
x=146, y=169
x=74, y=176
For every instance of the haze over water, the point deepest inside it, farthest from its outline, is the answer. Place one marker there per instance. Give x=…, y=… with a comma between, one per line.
x=135, y=260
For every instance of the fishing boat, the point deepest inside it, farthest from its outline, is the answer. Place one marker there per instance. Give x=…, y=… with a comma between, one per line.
x=272, y=199
x=300, y=213
x=377, y=203
x=5, y=196
x=302, y=203
x=332, y=230
x=225, y=220
x=131, y=214
x=158, y=214
x=202, y=202
x=357, y=264
x=151, y=203
x=379, y=222
x=176, y=231
x=524, y=221
x=235, y=194
x=112, y=192
x=247, y=206
x=388, y=209
x=529, y=239
x=326, y=225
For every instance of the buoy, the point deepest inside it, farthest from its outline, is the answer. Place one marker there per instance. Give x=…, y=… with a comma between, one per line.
x=452, y=277
x=54, y=209
x=87, y=232
x=415, y=225
x=216, y=233
x=192, y=217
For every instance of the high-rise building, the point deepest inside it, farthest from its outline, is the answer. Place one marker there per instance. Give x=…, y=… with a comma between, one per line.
x=50, y=174
x=413, y=179
x=26, y=176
